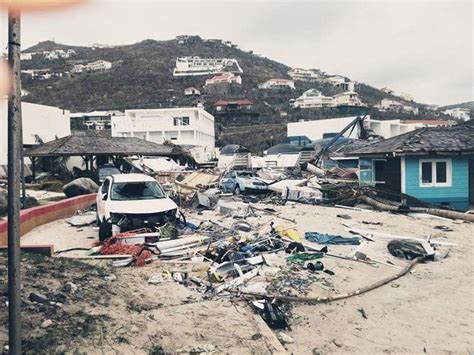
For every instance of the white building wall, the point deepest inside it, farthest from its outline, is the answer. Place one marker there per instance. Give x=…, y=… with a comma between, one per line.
x=160, y=125
x=48, y=122
x=315, y=129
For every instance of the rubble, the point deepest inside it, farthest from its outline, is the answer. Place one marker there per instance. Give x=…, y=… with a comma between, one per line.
x=243, y=248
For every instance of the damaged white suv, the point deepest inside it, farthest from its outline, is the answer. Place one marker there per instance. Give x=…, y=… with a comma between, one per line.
x=132, y=201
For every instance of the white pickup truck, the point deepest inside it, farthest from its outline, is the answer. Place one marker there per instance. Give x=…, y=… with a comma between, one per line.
x=132, y=201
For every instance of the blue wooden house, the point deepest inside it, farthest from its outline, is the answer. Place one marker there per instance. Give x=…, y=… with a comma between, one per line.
x=434, y=165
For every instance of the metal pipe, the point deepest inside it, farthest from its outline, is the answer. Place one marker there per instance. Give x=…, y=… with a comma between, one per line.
x=14, y=156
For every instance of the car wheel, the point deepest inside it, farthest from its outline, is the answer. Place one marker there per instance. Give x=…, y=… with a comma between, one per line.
x=105, y=230
x=237, y=190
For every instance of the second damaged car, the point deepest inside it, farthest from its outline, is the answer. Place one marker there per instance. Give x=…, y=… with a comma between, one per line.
x=239, y=181
x=132, y=201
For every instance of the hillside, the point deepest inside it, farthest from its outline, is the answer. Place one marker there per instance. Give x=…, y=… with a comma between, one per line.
x=141, y=77
x=469, y=105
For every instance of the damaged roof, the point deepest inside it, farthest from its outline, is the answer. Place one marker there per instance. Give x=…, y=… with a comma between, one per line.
x=458, y=139
x=74, y=145
x=345, y=147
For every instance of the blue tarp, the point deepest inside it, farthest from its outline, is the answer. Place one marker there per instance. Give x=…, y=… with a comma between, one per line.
x=331, y=239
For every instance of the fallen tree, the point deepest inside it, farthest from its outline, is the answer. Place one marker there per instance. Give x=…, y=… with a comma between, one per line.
x=433, y=211
x=328, y=299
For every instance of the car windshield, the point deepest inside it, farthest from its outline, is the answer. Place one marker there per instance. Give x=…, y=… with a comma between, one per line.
x=140, y=190
x=246, y=174
x=104, y=172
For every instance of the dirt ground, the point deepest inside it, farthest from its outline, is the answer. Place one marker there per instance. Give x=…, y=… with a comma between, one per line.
x=429, y=310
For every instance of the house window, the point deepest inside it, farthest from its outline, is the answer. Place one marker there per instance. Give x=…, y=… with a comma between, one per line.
x=181, y=121
x=378, y=169
x=435, y=172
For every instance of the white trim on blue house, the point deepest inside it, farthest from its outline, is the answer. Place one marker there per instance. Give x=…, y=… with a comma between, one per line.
x=403, y=175
x=434, y=183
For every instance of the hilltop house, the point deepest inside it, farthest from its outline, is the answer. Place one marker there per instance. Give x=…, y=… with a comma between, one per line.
x=41, y=74
x=192, y=91
x=233, y=105
x=335, y=80
x=191, y=66
x=313, y=98
x=459, y=113
x=348, y=98
x=434, y=165
x=189, y=127
x=387, y=90
x=98, y=65
x=186, y=39
x=26, y=56
x=305, y=74
x=406, y=97
x=95, y=120
x=227, y=78
x=395, y=106
x=277, y=84
x=59, y=53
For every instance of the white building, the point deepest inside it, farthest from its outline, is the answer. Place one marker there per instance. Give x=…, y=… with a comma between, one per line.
x=41, y=74
x=304, y=132
x=59, y=53
x=406, y=97
x=459, y=113
x=348, y=98
x=305, y=74
x=26, y=56
x=40, y=122
x=190, y=127
x=396, y=106
x=387, y=90
x=335, y=80
x=313, y=98
x=191, y=91
x=189, y=66
x=277, y=84
x=227, y=77
x=98, y=65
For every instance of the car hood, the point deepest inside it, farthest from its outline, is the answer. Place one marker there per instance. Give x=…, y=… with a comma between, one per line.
x=142, y=206
x=250, y=181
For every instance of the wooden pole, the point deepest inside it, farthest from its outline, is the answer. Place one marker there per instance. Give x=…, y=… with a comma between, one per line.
x=14, y=176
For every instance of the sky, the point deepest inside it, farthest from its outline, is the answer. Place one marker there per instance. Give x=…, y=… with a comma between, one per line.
x=424, y=48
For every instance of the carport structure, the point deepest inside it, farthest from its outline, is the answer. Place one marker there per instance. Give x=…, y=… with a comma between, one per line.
x=92, y=149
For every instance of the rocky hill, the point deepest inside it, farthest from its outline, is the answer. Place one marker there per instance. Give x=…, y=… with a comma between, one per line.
x=141, y=77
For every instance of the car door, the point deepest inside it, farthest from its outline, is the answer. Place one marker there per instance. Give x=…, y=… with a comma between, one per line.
x=103, y=192
x=228, y=182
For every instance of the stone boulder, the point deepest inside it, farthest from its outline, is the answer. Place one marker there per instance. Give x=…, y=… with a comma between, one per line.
x=81, y=186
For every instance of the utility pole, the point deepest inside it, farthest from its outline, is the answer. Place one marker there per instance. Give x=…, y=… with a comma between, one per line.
x=14, y=177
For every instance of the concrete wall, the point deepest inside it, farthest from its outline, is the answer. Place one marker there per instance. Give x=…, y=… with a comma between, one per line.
x=48, y=122
x=33, y=217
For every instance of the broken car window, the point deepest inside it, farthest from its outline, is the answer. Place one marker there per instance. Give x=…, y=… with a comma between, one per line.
x=146, y=190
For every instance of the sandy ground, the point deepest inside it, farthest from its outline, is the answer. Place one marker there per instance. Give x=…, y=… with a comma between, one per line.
x=431, y=309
